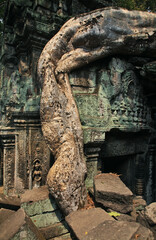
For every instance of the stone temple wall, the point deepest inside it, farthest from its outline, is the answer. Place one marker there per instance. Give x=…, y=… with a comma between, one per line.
x=24, y=155
x=28, y=25
x=115, y=98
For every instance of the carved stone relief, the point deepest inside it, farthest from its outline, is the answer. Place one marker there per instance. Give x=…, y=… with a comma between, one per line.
x=9, y=168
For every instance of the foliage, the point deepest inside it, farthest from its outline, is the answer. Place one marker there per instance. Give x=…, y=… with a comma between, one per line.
x=143, y=5
x=114, y=214
x=2, y=6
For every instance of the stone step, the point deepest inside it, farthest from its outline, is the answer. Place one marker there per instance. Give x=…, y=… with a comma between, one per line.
x=112, y=193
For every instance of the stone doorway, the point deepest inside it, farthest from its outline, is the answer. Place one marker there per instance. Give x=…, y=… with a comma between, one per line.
x=125, y=154
x=124, y=166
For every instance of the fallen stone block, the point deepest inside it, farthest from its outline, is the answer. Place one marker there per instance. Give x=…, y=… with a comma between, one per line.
x=82, y=221
x=46, y=219
x=147, y=217
x=55, y=230
x=38, y=201
x=114, y=230
x=122, y=217
x=41, y=207
x=65, y=236
x=19, y=226
x=4, y=214
x=36, y=194
x=9, y=202
x=112, y=193
x=139, y=203
x=150, y=213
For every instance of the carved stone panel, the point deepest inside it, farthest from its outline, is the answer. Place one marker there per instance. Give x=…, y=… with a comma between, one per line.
x=9, y=166
x=40, y=158
x=109, y=95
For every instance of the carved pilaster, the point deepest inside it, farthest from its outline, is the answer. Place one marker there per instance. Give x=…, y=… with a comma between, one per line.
x=140, y=174
x=92, y=160
x=1, y=166
x=8, y=163
x=40, y=156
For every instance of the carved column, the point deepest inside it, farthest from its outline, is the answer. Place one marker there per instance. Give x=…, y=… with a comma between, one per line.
x=140, y=174
x=1, y=166
x=9, y=163
x=92, y=151
x=32, y=151
x=150, y=173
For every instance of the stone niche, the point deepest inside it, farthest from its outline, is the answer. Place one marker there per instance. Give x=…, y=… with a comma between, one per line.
x=116, y=118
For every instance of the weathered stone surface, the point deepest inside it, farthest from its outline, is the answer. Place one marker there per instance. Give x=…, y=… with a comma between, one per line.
x=139, y=203
x=64, y=236
x=123, y=230
x=19, y=226
x=34, y=195
x=46, y=219
x=112, y=193
x=40, y=207
x=124, y=217
x=146, y=222
x=38, y=201
x=150, y=213
x=80, y=41
x=83, y=221
x=55, y=230
x=149, y=71
x=4, y=214
x=9, y=202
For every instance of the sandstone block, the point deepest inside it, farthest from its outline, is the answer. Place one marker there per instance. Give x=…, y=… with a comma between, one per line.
x=83, y=221
x=40, y=207
x=9, y=202
x=55, y=230
x=150, y=213
x=65, y=236
x=35, y=195
x=123, y=230
x=37, y=201
x=46, y=219
x=19, y=226
x=112, y=193
x=4, y=214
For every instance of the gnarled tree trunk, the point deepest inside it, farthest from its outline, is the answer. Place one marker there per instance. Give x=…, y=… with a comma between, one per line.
x=82, y=40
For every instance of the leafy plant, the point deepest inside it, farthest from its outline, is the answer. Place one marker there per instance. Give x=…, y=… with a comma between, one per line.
x=2, y=6
x=143, y=5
